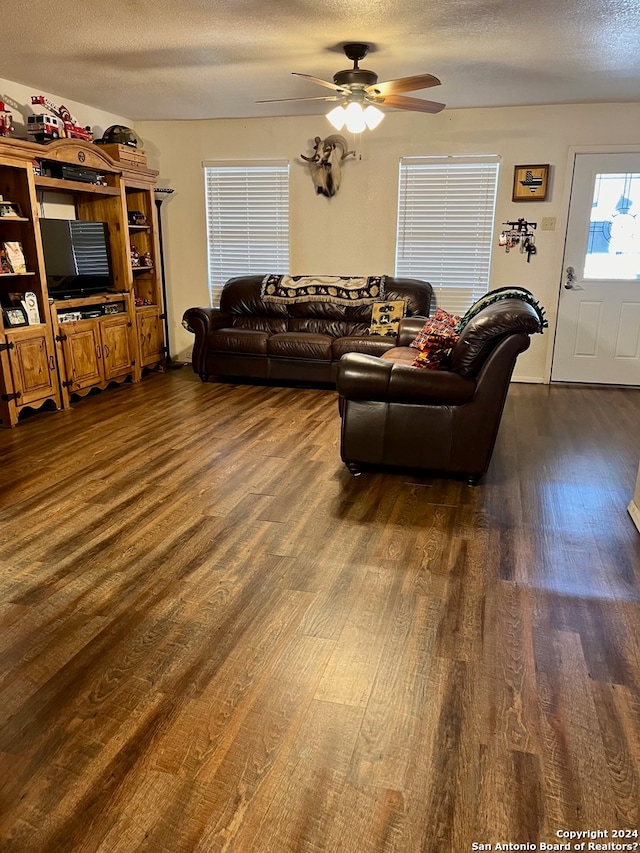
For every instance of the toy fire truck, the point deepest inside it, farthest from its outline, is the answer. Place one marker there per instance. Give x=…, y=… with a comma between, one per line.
x=6, y=120
x=57, y=123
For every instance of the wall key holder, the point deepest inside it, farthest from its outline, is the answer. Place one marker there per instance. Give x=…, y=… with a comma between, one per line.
x=519, y=233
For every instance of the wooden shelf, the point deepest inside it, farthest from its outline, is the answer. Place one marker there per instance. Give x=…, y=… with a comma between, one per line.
x=92, y=299
x=50, y=362
x=74, y=186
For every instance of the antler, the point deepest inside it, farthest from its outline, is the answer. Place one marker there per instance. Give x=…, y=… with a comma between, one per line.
x=316, y=149
x=337, y=139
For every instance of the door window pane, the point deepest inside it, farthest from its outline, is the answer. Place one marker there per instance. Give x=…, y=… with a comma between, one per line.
x=613, y=249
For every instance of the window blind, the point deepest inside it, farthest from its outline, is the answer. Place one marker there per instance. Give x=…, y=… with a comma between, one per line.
x=446, y=212
x=247, y=208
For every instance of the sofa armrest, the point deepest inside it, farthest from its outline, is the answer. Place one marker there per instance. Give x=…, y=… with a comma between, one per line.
x=205, y=320
x=366, y=377
x=408, y=329
x=201, y=322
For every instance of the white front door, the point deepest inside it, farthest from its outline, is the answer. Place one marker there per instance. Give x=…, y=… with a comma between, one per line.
x=598, y=331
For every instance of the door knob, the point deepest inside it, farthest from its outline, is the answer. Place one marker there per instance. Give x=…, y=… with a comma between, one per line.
x=571, y=275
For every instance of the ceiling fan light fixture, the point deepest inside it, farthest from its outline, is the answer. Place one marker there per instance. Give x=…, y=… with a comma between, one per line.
x=373, y=116
x=337, y=117
x=355, y=117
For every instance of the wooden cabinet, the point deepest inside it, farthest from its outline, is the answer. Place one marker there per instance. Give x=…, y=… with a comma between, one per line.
x=150, y=336
x=114, y=335
x=146, y=272
x=28, y=369
x=99, y=347
x=31, y=368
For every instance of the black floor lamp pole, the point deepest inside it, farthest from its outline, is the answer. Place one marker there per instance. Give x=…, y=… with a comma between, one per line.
x=160, y=194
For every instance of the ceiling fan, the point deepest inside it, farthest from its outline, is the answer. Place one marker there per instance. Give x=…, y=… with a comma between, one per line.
x=359, y=87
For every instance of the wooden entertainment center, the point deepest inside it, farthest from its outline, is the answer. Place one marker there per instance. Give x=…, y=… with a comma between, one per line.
x=71, y=345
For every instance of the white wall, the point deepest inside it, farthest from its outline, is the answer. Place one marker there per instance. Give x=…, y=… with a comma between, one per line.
x=354, y=232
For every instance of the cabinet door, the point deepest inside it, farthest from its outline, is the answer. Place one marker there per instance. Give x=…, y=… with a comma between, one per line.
x=82, y=354
x=33, y=367
x=117, y=354
x=151, y=337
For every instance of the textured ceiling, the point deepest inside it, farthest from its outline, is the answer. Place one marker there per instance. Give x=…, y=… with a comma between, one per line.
x=201, y=59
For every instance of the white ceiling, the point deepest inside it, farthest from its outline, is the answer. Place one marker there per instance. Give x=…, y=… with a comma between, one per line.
x=199, y=59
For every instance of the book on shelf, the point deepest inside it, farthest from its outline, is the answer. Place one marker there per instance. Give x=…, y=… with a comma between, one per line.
x=14, y=256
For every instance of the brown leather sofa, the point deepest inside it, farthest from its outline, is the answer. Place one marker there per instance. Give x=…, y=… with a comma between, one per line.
x=445, y=420
x=301, y=342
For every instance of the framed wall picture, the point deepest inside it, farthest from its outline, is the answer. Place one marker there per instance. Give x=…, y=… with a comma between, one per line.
x=15, y=316
x=530, y=183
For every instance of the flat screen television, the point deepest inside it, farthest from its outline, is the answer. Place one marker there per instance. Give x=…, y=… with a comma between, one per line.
x=76, y=257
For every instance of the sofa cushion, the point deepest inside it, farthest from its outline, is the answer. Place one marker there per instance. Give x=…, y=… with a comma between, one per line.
x=303, y=345
x=249, y=341
x=322, y=326
x=400, y=355
x=372, y=344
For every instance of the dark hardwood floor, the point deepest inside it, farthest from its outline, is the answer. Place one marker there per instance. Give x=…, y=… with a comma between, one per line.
x=213, y=638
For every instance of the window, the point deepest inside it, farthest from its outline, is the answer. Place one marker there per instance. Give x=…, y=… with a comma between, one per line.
x=247, y=220
x=445, y=225
x=613, y=250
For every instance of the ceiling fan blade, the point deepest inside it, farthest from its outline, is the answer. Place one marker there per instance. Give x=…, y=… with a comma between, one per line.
x=403, y=84
x=320, y=82
x=417, y=105
x=319, y=98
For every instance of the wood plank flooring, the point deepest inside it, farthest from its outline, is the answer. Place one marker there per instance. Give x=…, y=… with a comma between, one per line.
x=213, y=638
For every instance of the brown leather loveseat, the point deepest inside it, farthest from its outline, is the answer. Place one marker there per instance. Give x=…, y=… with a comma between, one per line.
x=300, y=341
x=446, y=420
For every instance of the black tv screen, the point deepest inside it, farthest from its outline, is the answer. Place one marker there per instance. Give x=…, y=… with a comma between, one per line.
x=76, y=256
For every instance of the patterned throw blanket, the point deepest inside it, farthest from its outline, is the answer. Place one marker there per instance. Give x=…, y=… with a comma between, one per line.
x=322, y=288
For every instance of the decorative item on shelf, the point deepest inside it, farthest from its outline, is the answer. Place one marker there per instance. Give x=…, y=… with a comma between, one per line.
x=135, y=256
x=519, y=233
x=136, y=217
x=15, y=316
x=6, y=120
x=118, y=134
x=325, y=163
x=10, y=210
x=30, y=305
x=160, y=195
x=4, y=263
x=530, y=183
x=146, y=260
x=55, y=124
x=15, y=257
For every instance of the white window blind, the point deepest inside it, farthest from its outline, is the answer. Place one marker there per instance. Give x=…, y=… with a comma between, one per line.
x=445, y=225
x=247, y=220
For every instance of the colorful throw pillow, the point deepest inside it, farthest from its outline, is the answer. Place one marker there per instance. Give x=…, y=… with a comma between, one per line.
x=436, y=339
x=385, y=318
